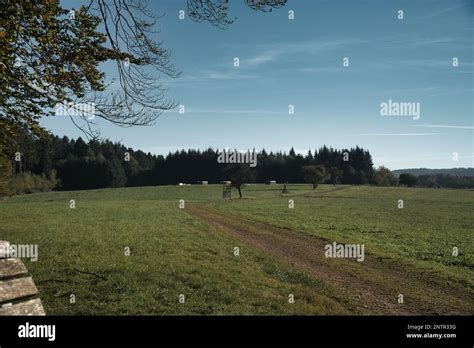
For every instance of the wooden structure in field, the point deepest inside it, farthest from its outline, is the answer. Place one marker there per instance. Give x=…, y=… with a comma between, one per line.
x=227, y=191
x=18, y=292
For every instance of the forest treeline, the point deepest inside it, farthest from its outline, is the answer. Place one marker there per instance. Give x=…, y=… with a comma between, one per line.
x=73, y=164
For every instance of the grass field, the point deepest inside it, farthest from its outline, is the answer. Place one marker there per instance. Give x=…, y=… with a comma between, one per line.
x=190, y=251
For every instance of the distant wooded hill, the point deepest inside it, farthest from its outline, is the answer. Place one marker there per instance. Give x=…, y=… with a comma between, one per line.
x=426, y=171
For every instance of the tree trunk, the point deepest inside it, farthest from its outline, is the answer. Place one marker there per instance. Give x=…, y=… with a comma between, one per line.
x=315, y=185
x=240, y=193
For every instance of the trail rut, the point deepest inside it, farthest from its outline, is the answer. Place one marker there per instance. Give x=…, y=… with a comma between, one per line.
x=374, y=283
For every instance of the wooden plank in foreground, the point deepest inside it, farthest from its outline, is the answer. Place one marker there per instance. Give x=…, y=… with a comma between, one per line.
x=17, y=288
x=11, y=268
x=31, y=307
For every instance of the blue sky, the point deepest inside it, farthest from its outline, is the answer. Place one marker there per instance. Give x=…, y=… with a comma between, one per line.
x=300, y=62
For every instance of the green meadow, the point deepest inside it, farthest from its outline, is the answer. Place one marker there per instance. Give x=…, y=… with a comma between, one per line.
x=255, y=256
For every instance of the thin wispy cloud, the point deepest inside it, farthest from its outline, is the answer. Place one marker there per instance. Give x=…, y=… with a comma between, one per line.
x=432, y=63
x=289, y=51
x=253, y=112
x=371, y=65
x=423, y=41
x=212, y=75
x=284, y=51
x=228, y=75
x=265, y=57
x=397, y=134
x=441, y=11
x=233, y=111
x=323, y=69
x=443, y=126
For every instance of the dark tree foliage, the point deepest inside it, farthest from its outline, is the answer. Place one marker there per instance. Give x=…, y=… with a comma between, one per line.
x=334, y=175
x=384, y=177
x=239, y=175
x=51, y=55
x=408, y=179
x=95, y=164
x=314, y=174
x=446, y=180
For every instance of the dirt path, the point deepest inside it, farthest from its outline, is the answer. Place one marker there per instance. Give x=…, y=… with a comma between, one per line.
x=374, y=283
